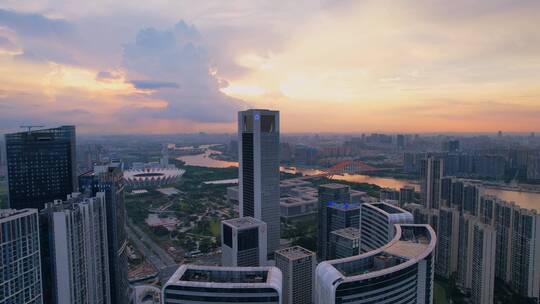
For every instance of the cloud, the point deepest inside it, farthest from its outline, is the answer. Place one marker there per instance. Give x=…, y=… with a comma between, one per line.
x=177, y=58
x=145, y=84
x=7, y=45
x=35, y=25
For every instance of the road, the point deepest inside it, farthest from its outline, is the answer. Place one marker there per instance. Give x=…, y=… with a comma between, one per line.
x=158, y=257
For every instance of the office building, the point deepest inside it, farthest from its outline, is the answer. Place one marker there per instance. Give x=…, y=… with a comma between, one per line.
x=20, y=267
x=41, y=166
x=109, y=180
x=334, y=216
x=344, y=243
x=431, y=172
x=74, y=251
x=388, y=194
x=243, y=242
x=258, y=137
x=400, y=272
x=297, y=266
x=446, y=262
x=377, y=224
x=329, y=194
x=228, y=285
x=406, y=196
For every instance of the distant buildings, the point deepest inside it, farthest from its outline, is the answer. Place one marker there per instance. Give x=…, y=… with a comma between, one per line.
x=399, y=272
x=344, y=243
x=377, y=224
x=243, y=242
x=207, y=284
x=298, y=267
x=406, y=196
x=258, y=136
x=20, y=272
x=74, y=251
x=41, y=166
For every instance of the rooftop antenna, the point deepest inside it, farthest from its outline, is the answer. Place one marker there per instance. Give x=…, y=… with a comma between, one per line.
x=31, y=127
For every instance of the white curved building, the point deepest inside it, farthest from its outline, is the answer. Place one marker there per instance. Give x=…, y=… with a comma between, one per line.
x=211, y=284
x=377, y=222
x=401, y=272
x=152, y=177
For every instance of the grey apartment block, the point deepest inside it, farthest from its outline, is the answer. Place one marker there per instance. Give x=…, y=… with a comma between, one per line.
x=344, y=243
x=20, y=267
x=243, y=242
x=259, y=191
x=297, y=265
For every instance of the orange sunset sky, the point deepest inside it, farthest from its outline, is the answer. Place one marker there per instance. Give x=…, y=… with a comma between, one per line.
x=328, y=66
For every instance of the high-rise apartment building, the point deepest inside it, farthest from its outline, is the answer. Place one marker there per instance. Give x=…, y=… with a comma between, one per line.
x=377, y=224
x=74, y=250
x=109, y=180
x=297, y=266
x=344, y=243
x=525, y=255
x=41, y=166
x=243, y=242
x=334, y=216
x=328, y=194
x=483, y=263
x=20, y=267
x=446, y=262
x=258, y=140
x=406, y=196
x=431, y=172
x=400, y=272
x=228, y=285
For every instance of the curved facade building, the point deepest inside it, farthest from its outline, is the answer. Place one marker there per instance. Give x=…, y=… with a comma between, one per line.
x=401, y=272
x=210, y=284
x=377, y=222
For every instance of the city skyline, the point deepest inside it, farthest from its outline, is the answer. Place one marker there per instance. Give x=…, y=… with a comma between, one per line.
x=327, y=66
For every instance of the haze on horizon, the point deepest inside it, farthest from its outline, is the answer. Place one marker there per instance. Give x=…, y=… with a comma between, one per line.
x=329, y=66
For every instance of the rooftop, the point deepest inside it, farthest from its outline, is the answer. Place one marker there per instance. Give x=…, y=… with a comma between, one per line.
x=388, y=208
x=224, y=276
x=343, y=206
x=349, y=233
x=294, y=253
x=333, y=186
x=5, y=213
x=243, y=222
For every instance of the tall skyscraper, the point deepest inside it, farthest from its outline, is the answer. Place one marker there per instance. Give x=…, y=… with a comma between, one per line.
x=334, y=216
x=344, y=243
x=297, y=266
x=20, y=267
x=328, y=195
x=258, y=137
x=398, y=273
x=74, y=251
x=109, y=180
x=377, y=224
x=41, y=166
x=431, y=171
x=243, y=242
x=228, y=285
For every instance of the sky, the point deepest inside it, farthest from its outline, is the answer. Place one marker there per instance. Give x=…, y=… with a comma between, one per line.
x=134, y=66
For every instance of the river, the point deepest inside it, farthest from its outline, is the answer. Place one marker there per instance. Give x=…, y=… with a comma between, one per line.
x=529, y=200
